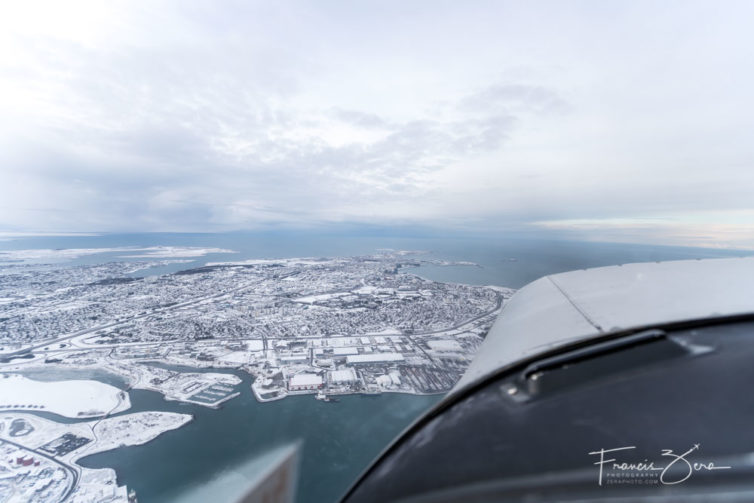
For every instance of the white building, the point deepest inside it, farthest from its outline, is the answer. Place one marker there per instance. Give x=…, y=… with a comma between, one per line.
x=375, y=358
x=305, y=381
x=293, y=358
x=345, y=351
x=444, y=345
x=344, y=376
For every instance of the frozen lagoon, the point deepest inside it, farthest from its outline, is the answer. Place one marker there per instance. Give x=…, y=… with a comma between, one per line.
x=74, y=398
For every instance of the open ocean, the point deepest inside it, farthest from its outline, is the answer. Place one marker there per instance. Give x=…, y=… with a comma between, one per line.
x=338, y=439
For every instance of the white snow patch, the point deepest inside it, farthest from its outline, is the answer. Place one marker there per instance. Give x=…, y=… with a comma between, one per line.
x=444, y=345
x=74, y=253
x=176, y=251
x=74, y=399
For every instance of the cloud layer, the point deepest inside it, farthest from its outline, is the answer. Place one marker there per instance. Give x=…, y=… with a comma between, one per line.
x=204, y=116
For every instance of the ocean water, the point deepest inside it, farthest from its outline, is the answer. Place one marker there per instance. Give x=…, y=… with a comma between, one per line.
x=338, y=440
x=501, y=261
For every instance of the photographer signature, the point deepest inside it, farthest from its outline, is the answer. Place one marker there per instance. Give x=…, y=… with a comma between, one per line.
x=680, y=461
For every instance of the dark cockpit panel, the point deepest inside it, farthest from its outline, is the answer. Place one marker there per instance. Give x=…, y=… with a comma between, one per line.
x=659, y=414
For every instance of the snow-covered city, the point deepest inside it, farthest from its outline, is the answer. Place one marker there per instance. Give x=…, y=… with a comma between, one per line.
x=319, y=326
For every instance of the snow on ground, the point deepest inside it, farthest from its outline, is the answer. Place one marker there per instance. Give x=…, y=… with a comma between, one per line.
x=37, y=255
x=238, y=357
x=133, y=429
x=175, y=251
x=444, y=345
x=386, y=331
x=74, y=399
x=50, y=254
x=255, y=345
x=261, y=261
x=33, y=436
x=204, y=388
x=310, y=299
x=142, y=266
x=281, y=261
x=366, y=290
x=102, y=434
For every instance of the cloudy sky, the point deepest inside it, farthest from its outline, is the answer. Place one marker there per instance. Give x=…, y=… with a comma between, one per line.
x=627, y=121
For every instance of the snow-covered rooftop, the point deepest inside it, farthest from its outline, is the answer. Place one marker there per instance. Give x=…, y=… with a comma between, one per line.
x=346, y=351
x=375, y=357
x=444, y=345
x=345, y=375
x=306, y=380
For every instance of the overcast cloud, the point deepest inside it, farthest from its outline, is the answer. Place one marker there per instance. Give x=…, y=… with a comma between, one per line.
x=611, y=120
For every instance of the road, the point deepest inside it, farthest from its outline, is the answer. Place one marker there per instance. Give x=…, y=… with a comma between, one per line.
x=124, y=321
x=74, y=476
x=265, y=338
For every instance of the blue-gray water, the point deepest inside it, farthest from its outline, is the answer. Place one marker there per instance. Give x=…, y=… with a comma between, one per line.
x=505, y=262
x=338, y=439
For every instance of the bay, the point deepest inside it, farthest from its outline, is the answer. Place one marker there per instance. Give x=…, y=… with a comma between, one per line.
x=338, y=439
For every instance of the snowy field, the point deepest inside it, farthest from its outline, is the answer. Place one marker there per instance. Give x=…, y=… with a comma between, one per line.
x=75, y=399
x=149, y=252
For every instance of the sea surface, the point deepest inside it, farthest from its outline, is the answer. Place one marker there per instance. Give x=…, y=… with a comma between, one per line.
x=337, y=439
